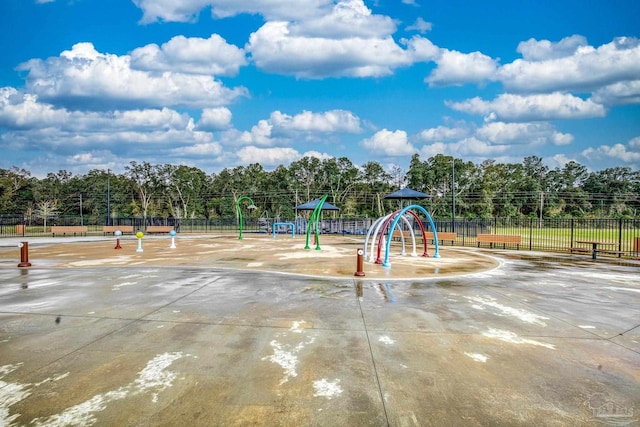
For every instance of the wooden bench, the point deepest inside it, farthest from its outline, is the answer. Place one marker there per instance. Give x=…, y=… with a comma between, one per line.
x=442, y=236
x=113, y=228
x=504, y=239
x=159, y=228
x=579, y=249
x=68, y=229
x=611, y=252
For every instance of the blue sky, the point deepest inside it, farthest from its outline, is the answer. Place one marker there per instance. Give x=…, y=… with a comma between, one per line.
x=94, y=84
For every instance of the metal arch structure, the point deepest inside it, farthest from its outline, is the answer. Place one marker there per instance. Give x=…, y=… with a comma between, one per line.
x=386, y=262
x=385, y=228
x=375, y=229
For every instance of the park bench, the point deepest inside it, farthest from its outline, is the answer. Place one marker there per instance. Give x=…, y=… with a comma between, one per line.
x=159, y=228
x=113, y=228
x=68, y=229
x=612, y=252
x=578, y=249
x=504, y=239
x=442, y=236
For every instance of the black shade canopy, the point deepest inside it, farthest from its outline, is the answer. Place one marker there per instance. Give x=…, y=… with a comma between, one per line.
x=309, y=206
x=407, y=194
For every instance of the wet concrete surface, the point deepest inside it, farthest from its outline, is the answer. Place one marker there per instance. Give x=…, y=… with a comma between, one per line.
x=526, y=340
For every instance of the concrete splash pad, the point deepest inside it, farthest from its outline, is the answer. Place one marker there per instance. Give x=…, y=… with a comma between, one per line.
x=532, y=341
x=337, y=257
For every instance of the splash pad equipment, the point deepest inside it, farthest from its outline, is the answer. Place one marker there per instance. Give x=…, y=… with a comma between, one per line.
x=315, y=220
x=287, y=224
x=386, y=226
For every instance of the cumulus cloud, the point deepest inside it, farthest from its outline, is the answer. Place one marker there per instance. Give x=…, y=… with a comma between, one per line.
x=274, y=49
x=191, y=55
x=538, y=133
x=466, y=147
x=347, y=19
x=207, y=149
x=457, y=68
x=328, y=122
x=268, y=156
x=19, y=110
x=215, y=118
x=189, y=10
x=627, y=92
x=585, y=69
x=389, y=143
x=420, y=25
x=85, y=77
x=284, y=128
x=628, y=154
x=512, y=107
x=23, y=111
x=541, y=50
x=443, y=133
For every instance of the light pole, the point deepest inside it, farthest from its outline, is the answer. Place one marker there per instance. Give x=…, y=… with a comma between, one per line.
x=239, y=211
x=108, y=196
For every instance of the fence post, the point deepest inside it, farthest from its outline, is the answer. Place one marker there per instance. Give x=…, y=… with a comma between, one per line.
x=619, y=237
x=531, y=233
x=571, y=243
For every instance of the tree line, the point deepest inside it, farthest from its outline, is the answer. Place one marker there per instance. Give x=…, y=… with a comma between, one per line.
x=456, y=187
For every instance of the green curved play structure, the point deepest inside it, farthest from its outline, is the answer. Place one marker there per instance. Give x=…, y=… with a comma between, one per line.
x=239, y=211
x=315, y=216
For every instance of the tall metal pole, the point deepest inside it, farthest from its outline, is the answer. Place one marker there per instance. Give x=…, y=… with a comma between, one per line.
x=453, y=195
x=108, y=196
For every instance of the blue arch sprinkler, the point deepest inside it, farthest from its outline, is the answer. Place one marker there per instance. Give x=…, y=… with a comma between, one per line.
x=386, y=262
x=239, y=211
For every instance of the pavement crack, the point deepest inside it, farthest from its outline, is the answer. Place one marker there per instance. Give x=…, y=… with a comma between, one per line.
x=358, y=287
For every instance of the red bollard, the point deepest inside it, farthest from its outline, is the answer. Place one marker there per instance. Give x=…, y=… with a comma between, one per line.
x=118, y=233
x=360, y=271
x=24, y=254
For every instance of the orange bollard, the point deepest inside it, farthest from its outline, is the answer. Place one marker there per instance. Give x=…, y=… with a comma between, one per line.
x=24, y=254
x=360, y=269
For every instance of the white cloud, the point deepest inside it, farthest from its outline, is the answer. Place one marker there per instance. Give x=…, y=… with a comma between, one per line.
x=268, y=156
x=541, y=50
x=389, y=143
x=85, y=77
x=420, y=25
x=587, y=69
x=274, y=49
x=198, y=150
x=511, y=107
x=307, y=121
x=457, y=68
x=619, y=153
x=465, y=148
x=188, y=10
x=443, y=133
x=215, y=118
x=318, y=155
x=347, y=19
x=522, y=133
x=191, y=56
x=627, y=92
x=19, y=110
x=260, y=134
